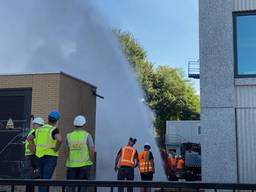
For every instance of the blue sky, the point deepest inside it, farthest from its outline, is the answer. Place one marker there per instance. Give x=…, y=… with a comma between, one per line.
x=167, y=29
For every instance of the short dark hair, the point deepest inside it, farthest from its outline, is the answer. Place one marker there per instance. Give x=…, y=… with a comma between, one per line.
x=132, y=140
x=52, y=120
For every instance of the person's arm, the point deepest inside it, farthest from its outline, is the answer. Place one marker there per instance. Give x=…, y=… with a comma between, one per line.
x=91, y=147
x=117, y=159
x=66, y=150
x=151, y=158
x=92, y=151
x=57, y=136
x=31, y=143
x=136, y=159
x=58, y=141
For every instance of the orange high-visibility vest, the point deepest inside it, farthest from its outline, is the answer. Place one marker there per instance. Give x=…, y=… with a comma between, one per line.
x=180, y=164
x=145, y=165
x=127, y=156
x=173, y=161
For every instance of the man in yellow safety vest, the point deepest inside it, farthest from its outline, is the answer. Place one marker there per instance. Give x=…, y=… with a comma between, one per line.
x=46, y=146
x=80, y=155
x=31, y=164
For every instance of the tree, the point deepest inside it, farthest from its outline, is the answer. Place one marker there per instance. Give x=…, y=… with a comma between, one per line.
x=168, y=93
x=174, y=98
x=137, y=57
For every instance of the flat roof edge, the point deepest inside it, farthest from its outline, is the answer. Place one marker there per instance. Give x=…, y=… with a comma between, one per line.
x=181, y=121
x=75, y=78
x=49, y=73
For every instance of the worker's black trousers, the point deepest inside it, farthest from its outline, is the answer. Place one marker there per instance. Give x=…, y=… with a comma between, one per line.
x=78, y=173
x=125, y=173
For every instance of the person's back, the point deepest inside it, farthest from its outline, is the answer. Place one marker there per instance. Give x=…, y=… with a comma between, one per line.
x=180, y=163
x=78, y=149
x=47, y=143
x=31, y=162
x=80, y=154
x=146, y=163
x=30, y=156
x=127, y=157
x=173, y=162
x=126, y=160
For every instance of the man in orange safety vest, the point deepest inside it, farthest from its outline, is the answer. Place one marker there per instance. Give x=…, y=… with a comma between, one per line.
x=146, y=165
x=126, y=161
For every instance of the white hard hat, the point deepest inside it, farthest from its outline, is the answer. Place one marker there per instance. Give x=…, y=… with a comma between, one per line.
x=38, y=120
x=147, y=144
x=79, y=121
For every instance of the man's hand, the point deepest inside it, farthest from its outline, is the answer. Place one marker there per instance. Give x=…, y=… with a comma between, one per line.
x=31, y=145
x=32, y=148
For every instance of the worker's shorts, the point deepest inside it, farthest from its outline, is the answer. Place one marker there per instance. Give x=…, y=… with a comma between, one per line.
x=146, y=176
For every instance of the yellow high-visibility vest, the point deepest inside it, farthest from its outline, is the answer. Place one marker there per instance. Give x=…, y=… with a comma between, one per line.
x=79, y=155
x=45, y=144
x=27, y=150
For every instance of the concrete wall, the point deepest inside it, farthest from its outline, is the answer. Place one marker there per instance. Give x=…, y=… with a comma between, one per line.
x=245, y=115
x=178, y=132
x=217, y=91
x=228, y=105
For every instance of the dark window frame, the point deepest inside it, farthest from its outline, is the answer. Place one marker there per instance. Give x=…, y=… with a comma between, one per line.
x=27, y=93
x=235, y=15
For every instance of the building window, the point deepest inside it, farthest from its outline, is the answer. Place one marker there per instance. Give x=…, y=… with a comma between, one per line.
x=15, y=104
x=245, y=44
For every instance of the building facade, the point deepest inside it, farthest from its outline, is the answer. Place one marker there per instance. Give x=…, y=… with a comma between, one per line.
x=178, y=132
x=37, y=94
x=228, y=90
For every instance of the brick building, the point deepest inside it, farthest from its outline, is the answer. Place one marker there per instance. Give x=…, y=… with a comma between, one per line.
x=24, y=95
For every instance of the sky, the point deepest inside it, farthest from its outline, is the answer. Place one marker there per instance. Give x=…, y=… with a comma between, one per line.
x=166, y=29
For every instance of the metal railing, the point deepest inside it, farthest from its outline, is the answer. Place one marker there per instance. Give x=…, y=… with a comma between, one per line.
x=194, y=69
x=112, y=185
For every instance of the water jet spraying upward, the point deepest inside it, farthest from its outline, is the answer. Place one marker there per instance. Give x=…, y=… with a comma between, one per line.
x=70, y=36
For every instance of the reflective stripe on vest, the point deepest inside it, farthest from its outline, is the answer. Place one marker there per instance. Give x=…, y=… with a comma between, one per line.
x=27, y=150
x=45, y=144
x=145, y=165
x=127, y=156
x=79, y=154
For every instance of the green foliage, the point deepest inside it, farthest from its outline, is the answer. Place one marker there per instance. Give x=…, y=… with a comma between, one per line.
x=174, y=97
x=168, y=93
x=138, y=59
